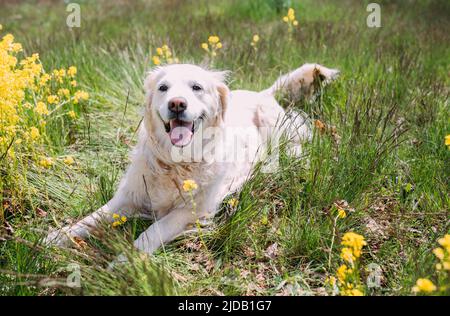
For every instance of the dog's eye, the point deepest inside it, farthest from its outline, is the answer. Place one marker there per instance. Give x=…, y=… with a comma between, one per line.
x=196, y=87
x=163, y=88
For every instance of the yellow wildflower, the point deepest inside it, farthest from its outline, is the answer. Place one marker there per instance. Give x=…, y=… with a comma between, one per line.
x=34, y=133
x=205, y=46
x=51, y=99
x=123, y=219
x=116, y=223
x=64, y=92
x=46, y=162
x=355, y=242
x=156, y=61
x=72, y=114
x=445, y=242
x=347, y=255
x=80, y=95
x=72, y=71
x=189, y=185
x=342, y=272
x=116, y=216
x=439, y=253
x=159, y=51
x=447, y=140
x=342, y=213
x=424, y=285
x=73, y=83
x=233, y=202
x=213, y=39
x=69, y=160
x=219, y=45
x=41, y=108
x=256, y=38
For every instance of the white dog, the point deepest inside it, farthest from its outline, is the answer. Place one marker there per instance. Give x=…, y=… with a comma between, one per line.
x=193, y=129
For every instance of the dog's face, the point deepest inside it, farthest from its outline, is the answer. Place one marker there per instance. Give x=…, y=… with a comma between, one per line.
x=183, y=98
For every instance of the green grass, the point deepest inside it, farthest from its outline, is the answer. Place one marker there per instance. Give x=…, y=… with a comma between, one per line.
x=389, y=108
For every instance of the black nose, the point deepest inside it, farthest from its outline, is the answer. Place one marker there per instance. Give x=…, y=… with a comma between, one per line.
x=177, y=105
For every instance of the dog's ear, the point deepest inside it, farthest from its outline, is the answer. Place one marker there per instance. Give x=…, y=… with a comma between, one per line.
x=222, y=90
x=150, y=82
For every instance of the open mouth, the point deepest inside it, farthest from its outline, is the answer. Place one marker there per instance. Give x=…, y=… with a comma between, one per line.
x=181, y=132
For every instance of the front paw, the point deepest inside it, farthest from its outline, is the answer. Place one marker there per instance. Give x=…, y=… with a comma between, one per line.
x=60, y=238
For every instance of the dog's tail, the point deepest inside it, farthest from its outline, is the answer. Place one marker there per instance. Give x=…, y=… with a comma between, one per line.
x=303, y=81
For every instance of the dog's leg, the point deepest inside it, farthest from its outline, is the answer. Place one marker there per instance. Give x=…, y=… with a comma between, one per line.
x=63, y=237
x=164, y=230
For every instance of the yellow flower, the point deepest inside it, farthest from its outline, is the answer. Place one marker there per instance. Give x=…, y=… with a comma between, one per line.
x=156, y=61
x=51, y=99
x=72, y=114
x=44, y=79
x=354, y=292
x=123, y=219
x=116, y=216
x=165, y=48
x=424, y=285
x=34, y=133
x=285, y=19
x=64, y=92
x=445, y=242
x=331, y=280
x=341, y=213
x=447, y=140
x=80, y=95
x=72, y=71
x=205, y=46
x=295, y=23
x=347, y=255
x=46, y=162
x=116, y=223
x=69, y=160
x=342, y=272
x=73, y=83
x=213, y=39
x=233, y=202
x=219, y=45
x=439, y=253
x=189, y=185
x=256, y=38
x=291, y=12
x=355, y=242
x=159, y=51
x=41, y=108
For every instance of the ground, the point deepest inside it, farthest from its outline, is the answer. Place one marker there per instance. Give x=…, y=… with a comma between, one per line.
x=378, y=152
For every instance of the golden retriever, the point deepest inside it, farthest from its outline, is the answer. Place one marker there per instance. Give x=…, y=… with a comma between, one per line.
x=195, y=128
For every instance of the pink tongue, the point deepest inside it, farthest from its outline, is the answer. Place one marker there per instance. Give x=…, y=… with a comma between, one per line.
x=180, y=133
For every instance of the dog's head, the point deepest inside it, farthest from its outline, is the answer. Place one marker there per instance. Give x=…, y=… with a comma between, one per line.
x=183, y=98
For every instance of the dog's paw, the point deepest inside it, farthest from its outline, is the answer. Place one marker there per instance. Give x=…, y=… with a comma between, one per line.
x=59, y=238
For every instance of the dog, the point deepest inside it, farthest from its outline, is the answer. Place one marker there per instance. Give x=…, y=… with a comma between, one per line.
x=189, y=116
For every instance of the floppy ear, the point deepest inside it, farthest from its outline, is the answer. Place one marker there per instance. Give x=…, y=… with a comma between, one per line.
x=223, y=92
x=149, y=83
x=222, y=89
